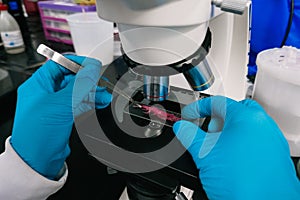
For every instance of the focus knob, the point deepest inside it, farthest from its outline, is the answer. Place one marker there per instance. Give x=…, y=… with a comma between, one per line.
x=233, y=6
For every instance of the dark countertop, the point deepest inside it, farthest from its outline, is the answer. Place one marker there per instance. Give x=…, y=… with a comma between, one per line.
x=88, y=178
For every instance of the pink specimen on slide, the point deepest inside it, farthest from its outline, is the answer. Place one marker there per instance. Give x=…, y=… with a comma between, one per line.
x=159, y=113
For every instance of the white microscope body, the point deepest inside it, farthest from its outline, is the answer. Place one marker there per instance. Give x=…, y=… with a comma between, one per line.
x=163, y=32
x=159, y=33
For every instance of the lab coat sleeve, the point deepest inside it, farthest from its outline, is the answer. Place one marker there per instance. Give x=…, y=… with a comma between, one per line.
x=18, y=181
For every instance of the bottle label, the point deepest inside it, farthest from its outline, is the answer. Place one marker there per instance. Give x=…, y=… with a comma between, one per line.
x=12, y=39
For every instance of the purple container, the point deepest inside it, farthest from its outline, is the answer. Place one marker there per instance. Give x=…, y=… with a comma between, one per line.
x=53, y=17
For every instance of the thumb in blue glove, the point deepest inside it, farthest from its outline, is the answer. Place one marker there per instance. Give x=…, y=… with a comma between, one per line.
x=45, y=108
x=243, y=155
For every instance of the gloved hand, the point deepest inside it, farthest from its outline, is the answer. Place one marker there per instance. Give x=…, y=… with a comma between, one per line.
x=44, y=114
x=243, y=155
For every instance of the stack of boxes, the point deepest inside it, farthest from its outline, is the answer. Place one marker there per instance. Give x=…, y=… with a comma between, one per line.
x=53, y=16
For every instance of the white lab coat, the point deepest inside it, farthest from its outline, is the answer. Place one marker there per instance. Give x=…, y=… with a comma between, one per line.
x=20, y=182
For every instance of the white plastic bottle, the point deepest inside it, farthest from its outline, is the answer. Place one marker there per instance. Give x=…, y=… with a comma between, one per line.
x=10, y=32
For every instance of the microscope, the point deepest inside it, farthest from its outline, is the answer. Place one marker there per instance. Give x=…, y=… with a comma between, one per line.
x=170, y=50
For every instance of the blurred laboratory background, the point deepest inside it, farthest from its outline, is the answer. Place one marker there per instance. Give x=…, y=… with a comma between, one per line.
x=70, y=26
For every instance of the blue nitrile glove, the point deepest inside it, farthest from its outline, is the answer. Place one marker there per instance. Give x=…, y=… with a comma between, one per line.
x=243, y=156
x=44, y=114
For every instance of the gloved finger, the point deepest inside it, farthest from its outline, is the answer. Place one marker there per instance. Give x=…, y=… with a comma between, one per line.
x=190, y=135
x=99, y=98
x=215, y=106
x=83, y=107
x=91, y=70
x=95, y=99
x=64, y=82
x=215, y=125
x=49, y=77
x=103, y=97
x=252, y=104
x=84, y=61
x=86, y=80
x=85, y=84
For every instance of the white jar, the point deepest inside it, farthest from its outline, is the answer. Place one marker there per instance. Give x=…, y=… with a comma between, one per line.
x=277, y=89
